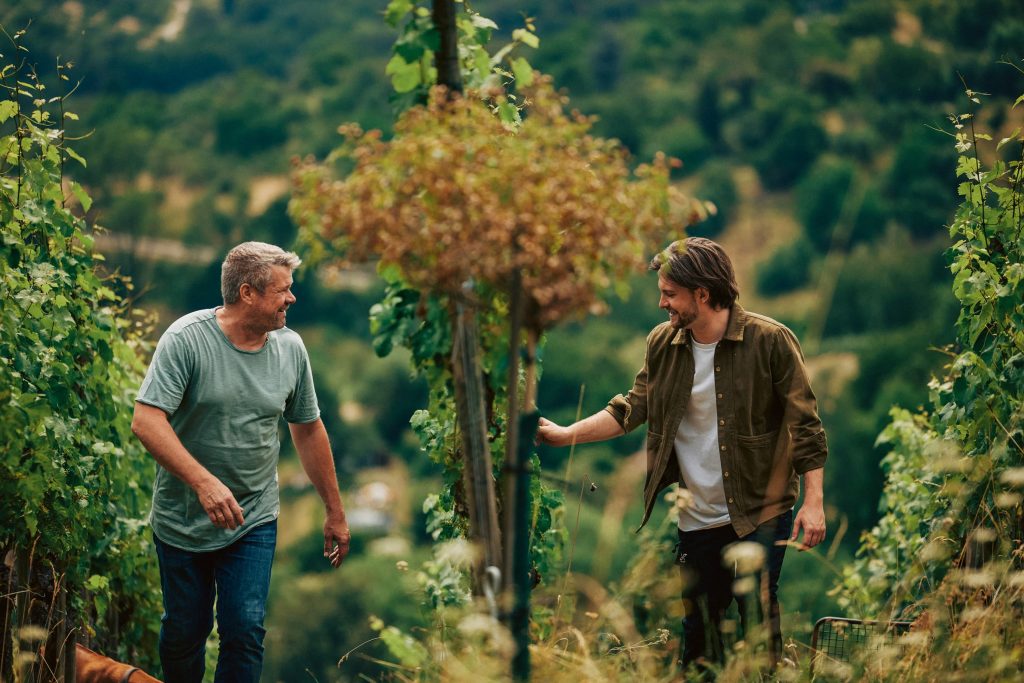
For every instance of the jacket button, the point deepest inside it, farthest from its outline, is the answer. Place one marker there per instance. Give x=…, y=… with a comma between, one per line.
x=725, y=474
x=722, y=447
x=730, y=500
x=720, y=396
x=718, y=368
x=721, y=422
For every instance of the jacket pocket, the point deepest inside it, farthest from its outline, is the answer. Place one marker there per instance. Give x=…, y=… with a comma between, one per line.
x=754, y=466
x=756, y=442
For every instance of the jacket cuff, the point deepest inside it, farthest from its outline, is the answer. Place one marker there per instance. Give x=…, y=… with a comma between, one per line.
x=621, y=409
x=811, y=454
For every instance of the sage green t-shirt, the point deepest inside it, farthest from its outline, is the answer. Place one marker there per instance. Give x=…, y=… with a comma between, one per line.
x=225, y=405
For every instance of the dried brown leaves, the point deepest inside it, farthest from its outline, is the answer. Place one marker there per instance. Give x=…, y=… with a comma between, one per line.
x=457, y=196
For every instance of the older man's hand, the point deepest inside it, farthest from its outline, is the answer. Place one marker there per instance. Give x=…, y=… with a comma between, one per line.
x=336, y=539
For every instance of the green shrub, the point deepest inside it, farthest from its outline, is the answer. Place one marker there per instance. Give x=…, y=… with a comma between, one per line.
x=906, y=72
x=71, y=494
x=820, y=198
x=718, y=187
x=883, y=286
x=947, y=547
x=790, y=150
x=919, y=184
x=788, y=268
x=872, y=216
x=867, y=17
x=314, y=620
x=683, y=139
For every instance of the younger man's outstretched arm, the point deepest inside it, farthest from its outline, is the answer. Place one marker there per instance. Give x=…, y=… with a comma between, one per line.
x=598, y=427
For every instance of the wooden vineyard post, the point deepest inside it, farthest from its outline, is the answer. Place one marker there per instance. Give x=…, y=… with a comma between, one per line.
x=476, y=451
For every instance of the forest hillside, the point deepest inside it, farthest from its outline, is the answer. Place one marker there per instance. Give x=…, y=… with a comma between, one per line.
x=817, y=128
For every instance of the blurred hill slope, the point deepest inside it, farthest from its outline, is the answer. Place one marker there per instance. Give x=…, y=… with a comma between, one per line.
x=804, y=121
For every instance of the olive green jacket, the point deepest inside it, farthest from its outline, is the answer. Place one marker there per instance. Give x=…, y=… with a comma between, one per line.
x=768, y=426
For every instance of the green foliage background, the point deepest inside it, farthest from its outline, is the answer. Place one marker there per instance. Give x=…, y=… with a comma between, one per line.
x=70, y=346
x=806, y=122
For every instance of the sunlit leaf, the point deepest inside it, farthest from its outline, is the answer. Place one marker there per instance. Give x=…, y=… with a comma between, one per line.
x=523, y=72
x=397, y=10
x=74, y=155
x=1009, y=138
x=404, y=76
x=525, y=37
x=482, y=22
x=82, y=196
x=8, y=108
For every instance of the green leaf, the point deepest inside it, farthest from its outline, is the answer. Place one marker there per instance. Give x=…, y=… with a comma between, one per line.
x=389, y=272
x=396, y=10
x=523, y=72
x=523, y=36
x=395, y=64
x=1008, y=139
x=483, y=22
x=508, y=113
x=31, y=523
x=404, y=76
x=74, y=155
x=411, y=51
x=501, y=54
x=482, y=62
x=8, y=108
x=404, y=647
x=82, y=196
x=97, y=583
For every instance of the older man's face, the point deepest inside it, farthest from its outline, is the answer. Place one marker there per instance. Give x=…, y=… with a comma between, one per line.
x=270, y=307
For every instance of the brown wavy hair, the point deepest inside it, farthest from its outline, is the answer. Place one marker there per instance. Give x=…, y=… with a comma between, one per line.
x=699, y=262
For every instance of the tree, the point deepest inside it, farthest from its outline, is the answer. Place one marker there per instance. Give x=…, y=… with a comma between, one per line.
x=540, y=218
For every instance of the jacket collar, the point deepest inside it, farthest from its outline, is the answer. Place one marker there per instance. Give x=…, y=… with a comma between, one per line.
x=733, y=332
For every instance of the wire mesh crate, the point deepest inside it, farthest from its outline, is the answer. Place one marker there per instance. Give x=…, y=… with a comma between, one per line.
x=838, y=639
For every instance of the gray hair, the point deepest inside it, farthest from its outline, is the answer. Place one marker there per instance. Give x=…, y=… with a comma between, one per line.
x=250, y=263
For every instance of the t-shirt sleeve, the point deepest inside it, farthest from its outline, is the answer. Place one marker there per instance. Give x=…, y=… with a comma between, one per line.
x=168, y=376
x=301, y=406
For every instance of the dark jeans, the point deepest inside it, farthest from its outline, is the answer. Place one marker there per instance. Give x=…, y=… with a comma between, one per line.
x=238, y=576
x=707, y=583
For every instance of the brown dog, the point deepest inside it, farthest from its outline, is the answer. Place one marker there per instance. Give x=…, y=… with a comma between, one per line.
x=91, y=667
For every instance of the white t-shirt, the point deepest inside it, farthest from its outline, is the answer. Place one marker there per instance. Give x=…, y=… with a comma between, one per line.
x=696, y=445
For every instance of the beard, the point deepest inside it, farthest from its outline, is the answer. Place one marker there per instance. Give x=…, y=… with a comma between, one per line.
x=681, y=320
x=276, y=320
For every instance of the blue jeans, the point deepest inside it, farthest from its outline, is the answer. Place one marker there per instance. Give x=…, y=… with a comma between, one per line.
x=238, y=576
x=706, y=582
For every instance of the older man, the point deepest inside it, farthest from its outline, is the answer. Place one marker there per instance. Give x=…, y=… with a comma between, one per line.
x=731, y=417
x=208, y=413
